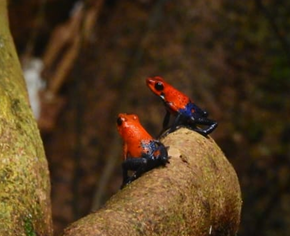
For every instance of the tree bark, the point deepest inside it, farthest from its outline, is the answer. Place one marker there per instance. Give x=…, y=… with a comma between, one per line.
x=24, y=178
x=198, y=193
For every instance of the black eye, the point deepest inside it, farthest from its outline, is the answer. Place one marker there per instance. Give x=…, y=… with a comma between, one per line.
x=119, y=121
x=159, y=86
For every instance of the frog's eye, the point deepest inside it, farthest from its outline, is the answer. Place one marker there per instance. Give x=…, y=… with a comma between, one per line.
x=159, y=86
x=119, y=121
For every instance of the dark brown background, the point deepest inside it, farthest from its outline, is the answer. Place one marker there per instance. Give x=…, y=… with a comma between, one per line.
x=231, y=57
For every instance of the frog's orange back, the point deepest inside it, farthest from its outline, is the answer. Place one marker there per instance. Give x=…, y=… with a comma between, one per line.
x=133, y=134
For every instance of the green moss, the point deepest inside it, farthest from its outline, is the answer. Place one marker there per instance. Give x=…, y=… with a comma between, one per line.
x=28, y=227
x=24, y=179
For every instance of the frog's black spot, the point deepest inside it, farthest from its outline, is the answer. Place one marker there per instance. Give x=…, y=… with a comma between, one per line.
x=119, y=121
x=159, y=86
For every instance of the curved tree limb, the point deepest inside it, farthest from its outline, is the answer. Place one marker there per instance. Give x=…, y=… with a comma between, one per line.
x=24, y=178
x=198, y=193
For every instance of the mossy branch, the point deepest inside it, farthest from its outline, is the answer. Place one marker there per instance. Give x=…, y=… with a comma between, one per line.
x=24, y=178
x=198, y=193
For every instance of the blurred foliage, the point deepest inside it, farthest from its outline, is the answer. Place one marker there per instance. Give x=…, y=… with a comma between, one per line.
x=231, y=57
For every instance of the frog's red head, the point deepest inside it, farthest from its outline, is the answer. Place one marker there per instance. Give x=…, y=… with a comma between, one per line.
x=130, y=128
x=173, y=98
x=126, y=120
x=157, y=85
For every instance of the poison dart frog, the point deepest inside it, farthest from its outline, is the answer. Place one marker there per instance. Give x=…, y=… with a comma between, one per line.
x=186, y=112
x=141, y=152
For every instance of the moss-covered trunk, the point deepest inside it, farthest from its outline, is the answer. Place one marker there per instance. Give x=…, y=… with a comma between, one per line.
x=24, y=177
x=197, y=194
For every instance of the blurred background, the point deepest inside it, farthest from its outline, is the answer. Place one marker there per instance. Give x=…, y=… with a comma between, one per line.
x=86, y=61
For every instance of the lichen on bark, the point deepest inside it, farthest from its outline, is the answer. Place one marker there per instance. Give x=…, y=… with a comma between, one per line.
x=24, y=178
x=197, y=193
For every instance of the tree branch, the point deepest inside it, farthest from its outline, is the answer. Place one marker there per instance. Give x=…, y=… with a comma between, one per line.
x=198, y=193
x=24, y=178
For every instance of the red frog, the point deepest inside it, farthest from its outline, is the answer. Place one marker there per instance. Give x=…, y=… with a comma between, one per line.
x=141, y=152
x=186, y=112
